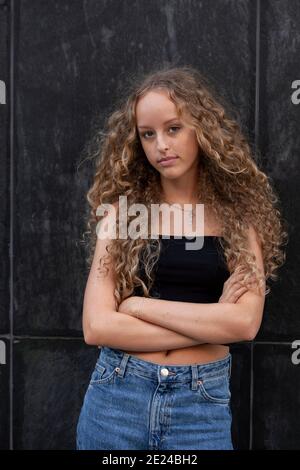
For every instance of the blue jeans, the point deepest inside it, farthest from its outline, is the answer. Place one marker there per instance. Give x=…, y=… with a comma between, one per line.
x=135, y=404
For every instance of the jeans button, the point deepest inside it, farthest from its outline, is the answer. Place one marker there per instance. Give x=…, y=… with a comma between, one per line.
x=164, y=371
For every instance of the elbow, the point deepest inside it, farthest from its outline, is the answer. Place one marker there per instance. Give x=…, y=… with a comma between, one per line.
x=250, y=335
x=250, y=329
x=90, y=337
x=97, y=328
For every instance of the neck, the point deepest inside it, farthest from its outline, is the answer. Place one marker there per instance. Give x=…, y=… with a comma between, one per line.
x=183, y=190
x=180, y=197
x=181, y=202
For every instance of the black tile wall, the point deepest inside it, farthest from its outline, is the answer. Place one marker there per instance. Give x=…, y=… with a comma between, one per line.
x=276, y=400
x=70, y=62
x=4, y=174
x=279, y=140
x=240, y=394
x=52, y=114
x=4, y=393
x=50, y=379
x=61, y=71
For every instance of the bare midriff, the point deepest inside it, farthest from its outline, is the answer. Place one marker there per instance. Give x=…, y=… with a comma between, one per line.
x=198, y=354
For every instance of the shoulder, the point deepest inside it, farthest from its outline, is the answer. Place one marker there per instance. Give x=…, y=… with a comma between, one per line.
x=254, y=301
x=106, y=227
x=108, y=208
x=253, y=235
x=254, y=242
x=255, y=247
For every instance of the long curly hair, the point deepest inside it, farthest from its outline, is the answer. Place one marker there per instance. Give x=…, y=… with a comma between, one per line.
x=230, y=183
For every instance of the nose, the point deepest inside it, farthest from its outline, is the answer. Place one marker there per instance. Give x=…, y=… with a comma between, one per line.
x=162, y=144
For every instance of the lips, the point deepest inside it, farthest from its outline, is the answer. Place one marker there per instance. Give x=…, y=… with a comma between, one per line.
x=164, y=159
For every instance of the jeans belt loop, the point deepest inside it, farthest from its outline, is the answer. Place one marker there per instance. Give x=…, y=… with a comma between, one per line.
x=122, y=367
x=194, y=377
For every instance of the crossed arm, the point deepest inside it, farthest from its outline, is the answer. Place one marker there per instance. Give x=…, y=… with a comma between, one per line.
x=164, y=324
x=212, y=323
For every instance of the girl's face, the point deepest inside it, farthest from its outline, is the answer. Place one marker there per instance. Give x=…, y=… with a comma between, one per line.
x=163, y=134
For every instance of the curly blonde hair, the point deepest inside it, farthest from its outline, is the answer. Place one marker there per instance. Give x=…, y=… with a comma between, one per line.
x=230, y=183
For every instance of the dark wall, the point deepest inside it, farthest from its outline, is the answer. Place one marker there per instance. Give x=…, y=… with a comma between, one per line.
x=62, y=61
x=4, y=232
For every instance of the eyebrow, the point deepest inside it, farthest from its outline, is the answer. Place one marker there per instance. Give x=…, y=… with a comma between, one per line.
x=166, y=122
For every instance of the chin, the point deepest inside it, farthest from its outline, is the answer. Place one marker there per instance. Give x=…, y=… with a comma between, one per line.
x=170, y=175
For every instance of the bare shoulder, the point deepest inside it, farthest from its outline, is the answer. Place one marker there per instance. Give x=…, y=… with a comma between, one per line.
x=254, y=301
x=255, y=247
x=101, y=283
x=211, y=223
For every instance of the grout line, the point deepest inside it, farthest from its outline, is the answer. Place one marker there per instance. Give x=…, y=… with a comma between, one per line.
x=256, y=143
x=251, y=399
x=54, y=338
x=81, y=338
x=285, y=343
x=257, y=76
x=11, y=232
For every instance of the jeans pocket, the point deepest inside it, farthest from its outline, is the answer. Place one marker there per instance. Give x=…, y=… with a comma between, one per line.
x=103, y=374
x=215, y=389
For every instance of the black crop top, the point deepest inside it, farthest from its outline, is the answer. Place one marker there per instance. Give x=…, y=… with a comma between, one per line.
x=187, y=275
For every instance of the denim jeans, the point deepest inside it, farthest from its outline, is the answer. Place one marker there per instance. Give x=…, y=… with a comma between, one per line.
x=135, y=404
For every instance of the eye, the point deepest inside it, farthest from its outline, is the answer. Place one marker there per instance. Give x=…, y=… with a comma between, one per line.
x=144, y=134
x=175, y=127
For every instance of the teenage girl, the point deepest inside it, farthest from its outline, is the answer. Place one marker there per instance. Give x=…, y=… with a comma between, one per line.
x=164, y=315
